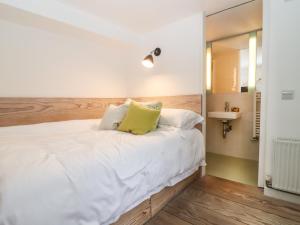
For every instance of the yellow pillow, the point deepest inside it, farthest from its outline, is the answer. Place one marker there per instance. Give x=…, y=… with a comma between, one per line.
x=139, y=119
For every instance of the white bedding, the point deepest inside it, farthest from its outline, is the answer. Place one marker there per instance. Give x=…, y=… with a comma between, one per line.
x=69, y=173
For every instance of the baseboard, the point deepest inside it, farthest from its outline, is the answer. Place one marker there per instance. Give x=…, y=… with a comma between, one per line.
x=282, y=195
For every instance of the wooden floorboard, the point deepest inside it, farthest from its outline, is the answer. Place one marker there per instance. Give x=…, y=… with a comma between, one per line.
x=215, y=201
x=247, y=195
x=164, y=218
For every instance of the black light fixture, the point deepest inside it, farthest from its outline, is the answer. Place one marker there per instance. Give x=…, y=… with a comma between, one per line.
x=148, y=60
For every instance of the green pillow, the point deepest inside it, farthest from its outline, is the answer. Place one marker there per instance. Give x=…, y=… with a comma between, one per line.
x=139, y=119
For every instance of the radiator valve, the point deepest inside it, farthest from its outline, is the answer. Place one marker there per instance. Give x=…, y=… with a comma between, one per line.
x=269, y=181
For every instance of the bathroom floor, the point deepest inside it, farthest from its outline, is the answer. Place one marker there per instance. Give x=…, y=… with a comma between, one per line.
x=236, y=169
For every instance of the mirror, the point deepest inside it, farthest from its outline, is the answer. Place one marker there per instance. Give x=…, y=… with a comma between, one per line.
x=234, y=67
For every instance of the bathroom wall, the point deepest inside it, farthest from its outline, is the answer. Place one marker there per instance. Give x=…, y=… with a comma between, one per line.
x=238, y=142
x=226, y=66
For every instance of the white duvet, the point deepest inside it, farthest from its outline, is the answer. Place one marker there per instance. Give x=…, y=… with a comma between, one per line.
x=70, y=173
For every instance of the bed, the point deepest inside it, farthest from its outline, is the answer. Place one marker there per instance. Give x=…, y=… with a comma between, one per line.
x=70, y=172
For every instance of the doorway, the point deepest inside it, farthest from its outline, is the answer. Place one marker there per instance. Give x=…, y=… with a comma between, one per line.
x=233, y=93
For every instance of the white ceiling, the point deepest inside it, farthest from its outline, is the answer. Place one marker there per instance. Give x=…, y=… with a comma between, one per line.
x=238, y=20
x=146, y=15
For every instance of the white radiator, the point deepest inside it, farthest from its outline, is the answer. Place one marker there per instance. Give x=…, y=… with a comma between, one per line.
x=286, y=165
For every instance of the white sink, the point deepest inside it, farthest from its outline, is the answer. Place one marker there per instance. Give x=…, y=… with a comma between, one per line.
x=225, y=115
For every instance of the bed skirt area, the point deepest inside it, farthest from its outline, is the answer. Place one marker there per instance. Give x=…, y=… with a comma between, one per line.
x=149, y=208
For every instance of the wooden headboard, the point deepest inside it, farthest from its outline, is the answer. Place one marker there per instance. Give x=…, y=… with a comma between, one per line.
x=21, y=111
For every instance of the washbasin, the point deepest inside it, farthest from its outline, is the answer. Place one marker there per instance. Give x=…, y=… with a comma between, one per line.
x=224, y=115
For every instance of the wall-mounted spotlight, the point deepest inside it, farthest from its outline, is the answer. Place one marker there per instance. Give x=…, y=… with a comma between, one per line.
x=148, y=60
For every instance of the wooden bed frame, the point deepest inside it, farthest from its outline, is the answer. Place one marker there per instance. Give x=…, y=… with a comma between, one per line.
x=149, y=208
x=22, y=111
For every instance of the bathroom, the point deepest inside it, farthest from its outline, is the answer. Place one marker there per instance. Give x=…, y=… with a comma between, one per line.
x=233, y=85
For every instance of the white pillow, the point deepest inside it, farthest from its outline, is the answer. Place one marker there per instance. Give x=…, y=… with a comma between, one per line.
x=113, y=116
x=180, y=118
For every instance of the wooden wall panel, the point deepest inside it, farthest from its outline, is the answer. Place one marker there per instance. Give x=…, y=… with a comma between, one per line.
x=21, y=111
x=191, y=102
x=18, y=111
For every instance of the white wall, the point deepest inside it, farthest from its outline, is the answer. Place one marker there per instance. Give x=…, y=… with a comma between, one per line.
x=40, y=57
x=178, y=70
x=281, y=58
x=37, y=63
